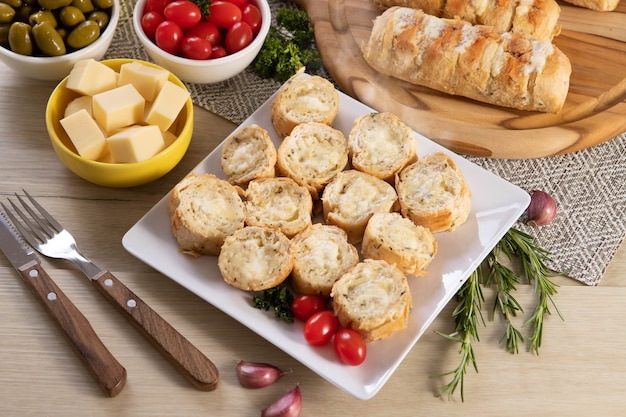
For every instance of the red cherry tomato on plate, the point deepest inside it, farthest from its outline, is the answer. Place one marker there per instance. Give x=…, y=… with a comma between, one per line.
x=149, y=23
x=224, y=14
x=320, y=328
x=252, y=16
x=350, y=347
x=206, y=30
x=238, y=3
x=195, y=47
x=168, y=37
x=238, y=37
x=183, y=12
x=305, y=305
x=155, y=6
x=218, y=52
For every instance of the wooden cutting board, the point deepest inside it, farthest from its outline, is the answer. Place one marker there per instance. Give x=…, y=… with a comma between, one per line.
x=594, y=112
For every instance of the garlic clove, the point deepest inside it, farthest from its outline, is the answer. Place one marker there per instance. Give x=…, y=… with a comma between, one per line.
x=542, y=208
x=257, y=374
x=289, y=405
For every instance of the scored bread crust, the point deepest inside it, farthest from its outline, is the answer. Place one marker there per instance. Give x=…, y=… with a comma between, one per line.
x=312, y=155
x=278, y=202
x=204, y=210
x=304, y=99
x=248, y=154
x=400, y=242
x=351, y=198
x=536, y=18
x=475, y=61
x=433, y=193
x=373, y=298
x=381, y=145
x=255, y=258
x=321, y=254
x=599, y=5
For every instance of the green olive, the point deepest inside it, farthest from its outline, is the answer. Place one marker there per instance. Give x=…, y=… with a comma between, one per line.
x=13, y=3
x=83, y=34
x=48, y=39
x=71, y=16
x=4, y=35
x=7, y=13
x=63, y=33
x=85, y=6
x=43, y=16
x=21, y=38
x=53, y=4
x=103, y=4
x=31, y=2
x=23, y=13
x=101, y=18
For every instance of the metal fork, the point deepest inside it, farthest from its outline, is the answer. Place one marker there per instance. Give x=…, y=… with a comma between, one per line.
x=49, y=238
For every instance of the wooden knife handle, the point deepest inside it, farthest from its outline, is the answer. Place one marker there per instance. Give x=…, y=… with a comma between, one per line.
x=187, y=358
x=102, y=365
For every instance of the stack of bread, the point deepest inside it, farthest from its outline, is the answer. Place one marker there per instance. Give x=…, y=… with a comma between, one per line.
x=373, y=191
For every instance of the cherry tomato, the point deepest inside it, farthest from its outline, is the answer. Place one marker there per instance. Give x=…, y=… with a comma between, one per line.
x=183, y=12
x=195, y=47
x=149, y=23
x=238, y=3
x=252, y=16
x=350, y=347
x=218, y=52
x=238, y=37
x=320, y=328
x=206, y=30
x=224, y=14
x=168, y=37
x=305, y=305
x=155, y=6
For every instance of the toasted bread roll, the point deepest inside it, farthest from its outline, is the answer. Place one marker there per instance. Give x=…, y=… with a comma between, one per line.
x=372, y=298
x=456, y=57
x=255, y=258
x=536, y=18
x=599, y=5
x=351, y=198
x=278, y=202
x=381, y=145
x=204, y=210
x=321, y=254
x=400, y=242
x=434, y=193
x=304, y=99
x=312, y=155
x=248, y=154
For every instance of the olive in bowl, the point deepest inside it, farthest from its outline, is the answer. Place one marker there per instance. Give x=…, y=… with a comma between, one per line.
x=235, y=31
x=43, y=39
x=106, y=167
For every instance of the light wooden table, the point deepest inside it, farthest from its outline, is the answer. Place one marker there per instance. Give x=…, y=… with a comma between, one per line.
x=580, y=370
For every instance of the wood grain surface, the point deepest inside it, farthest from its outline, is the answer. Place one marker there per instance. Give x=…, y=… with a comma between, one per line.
x=595, y=109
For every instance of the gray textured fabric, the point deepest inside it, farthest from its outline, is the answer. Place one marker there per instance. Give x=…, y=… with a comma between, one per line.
x=589, y=186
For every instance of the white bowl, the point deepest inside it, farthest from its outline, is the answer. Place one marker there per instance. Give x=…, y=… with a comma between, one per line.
x=209, y=70
x=55, y=68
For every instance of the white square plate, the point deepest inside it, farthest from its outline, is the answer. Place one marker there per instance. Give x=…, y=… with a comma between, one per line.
x=496, y=205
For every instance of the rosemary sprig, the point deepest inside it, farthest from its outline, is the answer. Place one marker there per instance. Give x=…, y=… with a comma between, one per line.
x=533, y=260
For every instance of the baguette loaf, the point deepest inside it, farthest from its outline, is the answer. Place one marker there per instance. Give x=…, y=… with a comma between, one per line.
x=434, y=193
x=536, y=18
x=456, y=57
x=372, y=298
x=204, y=210
x=381, y=145
x=351, y=198
x=255, y=258
x=599, y=5
x=304, y=99
x=400, y=242
x=248, y=154
x=321, y=254
x=278, y=202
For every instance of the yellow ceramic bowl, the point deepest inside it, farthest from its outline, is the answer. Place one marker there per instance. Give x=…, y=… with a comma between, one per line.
x=112, y=174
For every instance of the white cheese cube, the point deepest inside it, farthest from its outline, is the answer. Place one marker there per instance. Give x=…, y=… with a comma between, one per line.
x=91, y=77
x=120, y=107
x=147, y=80
x=169, y=138
x=135, y=144
x=167, y=106
x=85, y=134
x=82, y=102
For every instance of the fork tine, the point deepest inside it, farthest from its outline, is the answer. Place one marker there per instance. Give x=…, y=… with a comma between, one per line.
x=57, y=226
x=28, y=236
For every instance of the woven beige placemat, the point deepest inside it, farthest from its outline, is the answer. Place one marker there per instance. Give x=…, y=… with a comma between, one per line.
x=589, y=186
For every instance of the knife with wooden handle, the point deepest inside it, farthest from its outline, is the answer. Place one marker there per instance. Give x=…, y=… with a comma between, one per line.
x=103, y=366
